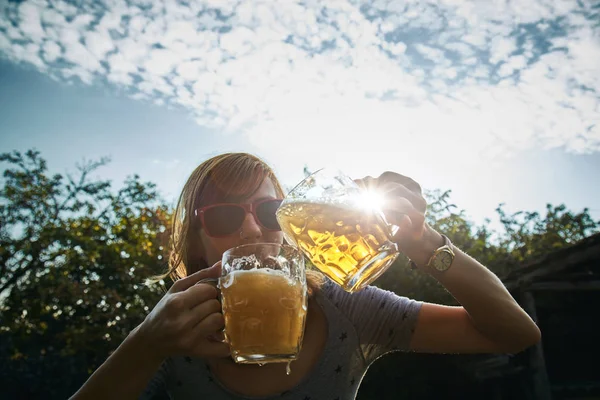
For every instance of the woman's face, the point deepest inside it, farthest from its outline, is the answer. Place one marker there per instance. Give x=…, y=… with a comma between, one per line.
x=250, y=231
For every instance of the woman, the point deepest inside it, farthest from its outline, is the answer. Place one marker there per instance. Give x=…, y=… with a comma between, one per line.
x=174, y=351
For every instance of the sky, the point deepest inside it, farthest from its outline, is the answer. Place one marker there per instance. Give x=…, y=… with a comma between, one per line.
x=498, y=101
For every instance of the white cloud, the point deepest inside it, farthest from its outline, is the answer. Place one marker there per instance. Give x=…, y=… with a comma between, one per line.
x=65, y=8
x=435, y=55
x=160, y=62
x=98, y=43
x=132, y=50
x=151, y=83
x=77, y=54
x=323, y=71
x=82, y=21
x=501, y=48
x=119, y=64
x=5, y=42
x=51, y=51
x=29, y=53
x=30, y=22
x=14, y=34
x=111, y=20
x=52, y=17
x=83, y=74
x=189, y=70
x=514, y=63
x=120, y=78
x=462, y=48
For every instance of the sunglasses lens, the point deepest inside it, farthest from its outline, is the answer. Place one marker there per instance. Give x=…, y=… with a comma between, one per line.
x=266, y=214
x=223, y=220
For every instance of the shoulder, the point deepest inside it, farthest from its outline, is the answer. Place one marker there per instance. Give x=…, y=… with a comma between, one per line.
x=383, y=320
x=368, y=302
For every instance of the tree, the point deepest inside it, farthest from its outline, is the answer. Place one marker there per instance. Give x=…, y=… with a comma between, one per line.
x=75, y=255
x=529, y=235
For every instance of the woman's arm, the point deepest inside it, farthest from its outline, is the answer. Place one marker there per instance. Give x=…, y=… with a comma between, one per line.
x=490, y=320
x=125, y=374
x=182, y=323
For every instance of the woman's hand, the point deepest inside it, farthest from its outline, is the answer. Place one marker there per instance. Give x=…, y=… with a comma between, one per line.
x=405, y=207
x=186, y=319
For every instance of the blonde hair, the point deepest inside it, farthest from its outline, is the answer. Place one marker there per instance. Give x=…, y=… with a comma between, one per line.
x=228, y=177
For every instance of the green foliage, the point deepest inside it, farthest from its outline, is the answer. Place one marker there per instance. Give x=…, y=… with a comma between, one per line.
x=529, y=235
x=75, y=255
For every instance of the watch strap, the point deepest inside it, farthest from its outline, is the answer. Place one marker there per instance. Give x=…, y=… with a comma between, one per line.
x=447, y=243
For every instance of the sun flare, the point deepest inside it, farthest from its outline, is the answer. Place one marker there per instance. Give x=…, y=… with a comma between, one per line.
x=370, y=200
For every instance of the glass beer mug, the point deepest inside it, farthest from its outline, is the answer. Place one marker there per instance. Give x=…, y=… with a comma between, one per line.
x=330, y=219
x=264, y=301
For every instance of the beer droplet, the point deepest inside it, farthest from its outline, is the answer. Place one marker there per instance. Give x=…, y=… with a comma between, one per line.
x=288, y=368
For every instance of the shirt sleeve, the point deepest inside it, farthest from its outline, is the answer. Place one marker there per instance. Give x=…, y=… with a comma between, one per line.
x=383, y=320
x=157, y=387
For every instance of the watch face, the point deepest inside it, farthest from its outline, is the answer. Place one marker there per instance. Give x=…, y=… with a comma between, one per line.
x=443, y=261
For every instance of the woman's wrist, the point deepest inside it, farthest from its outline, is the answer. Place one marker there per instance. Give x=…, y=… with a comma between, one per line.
x=420, y=251
x=139, y=345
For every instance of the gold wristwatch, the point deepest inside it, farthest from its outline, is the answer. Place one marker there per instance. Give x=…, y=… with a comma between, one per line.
x=442, y=258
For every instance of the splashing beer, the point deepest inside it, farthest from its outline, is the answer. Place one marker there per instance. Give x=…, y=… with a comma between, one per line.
x=350, y=245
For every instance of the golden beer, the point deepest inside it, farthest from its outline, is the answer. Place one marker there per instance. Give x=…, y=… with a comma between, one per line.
x=349, y=245
x=264, y=314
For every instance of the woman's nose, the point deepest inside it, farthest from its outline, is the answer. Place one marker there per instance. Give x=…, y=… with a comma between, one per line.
x=250, y=228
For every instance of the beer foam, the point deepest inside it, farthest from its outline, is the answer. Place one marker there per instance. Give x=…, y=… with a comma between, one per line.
x=229, y=279
x=280, y=262
x=251, y=263
x=242, y=263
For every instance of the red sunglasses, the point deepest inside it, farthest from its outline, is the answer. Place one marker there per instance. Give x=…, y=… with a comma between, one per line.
x=224, y=219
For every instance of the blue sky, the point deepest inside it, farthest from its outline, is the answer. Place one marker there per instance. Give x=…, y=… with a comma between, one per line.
x=497, y=101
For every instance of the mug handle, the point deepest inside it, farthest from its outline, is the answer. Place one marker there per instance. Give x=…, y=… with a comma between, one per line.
x=214, y=282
